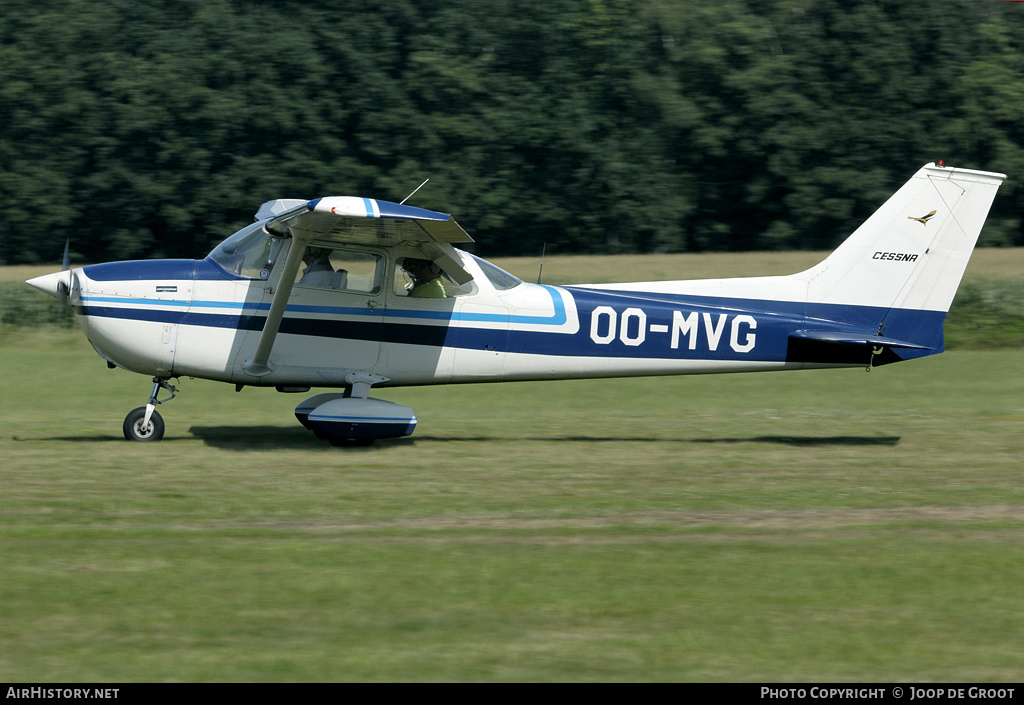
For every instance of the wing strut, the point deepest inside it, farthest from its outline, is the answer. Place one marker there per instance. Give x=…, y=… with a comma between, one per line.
x=257, y=365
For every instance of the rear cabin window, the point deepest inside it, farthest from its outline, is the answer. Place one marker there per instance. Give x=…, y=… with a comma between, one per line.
x=341, y=270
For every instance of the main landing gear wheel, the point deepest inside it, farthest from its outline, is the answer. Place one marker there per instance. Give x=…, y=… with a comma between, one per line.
x=135, y=428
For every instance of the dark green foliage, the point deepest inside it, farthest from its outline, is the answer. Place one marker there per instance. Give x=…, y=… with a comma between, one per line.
x=21, y=305
x=144, y=129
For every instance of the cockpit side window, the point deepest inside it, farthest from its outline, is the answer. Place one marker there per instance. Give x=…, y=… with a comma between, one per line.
x=251, y=253
x=422, y=278
x=341, y=269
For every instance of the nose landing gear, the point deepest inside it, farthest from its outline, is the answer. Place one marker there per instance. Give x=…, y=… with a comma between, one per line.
x=144, y=423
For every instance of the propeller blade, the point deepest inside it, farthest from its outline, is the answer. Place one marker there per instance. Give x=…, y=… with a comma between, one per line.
x=62, y=288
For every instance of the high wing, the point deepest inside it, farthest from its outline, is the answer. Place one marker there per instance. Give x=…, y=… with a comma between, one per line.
x=366, y=221
x=336, y=220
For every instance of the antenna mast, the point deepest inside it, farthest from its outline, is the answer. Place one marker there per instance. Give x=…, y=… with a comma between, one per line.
x=413, y=192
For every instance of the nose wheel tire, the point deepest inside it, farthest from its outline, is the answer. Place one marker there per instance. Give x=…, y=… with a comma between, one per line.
x=134, y=430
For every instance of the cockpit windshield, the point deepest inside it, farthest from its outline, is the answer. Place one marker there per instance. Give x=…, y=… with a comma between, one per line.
x=250, y=253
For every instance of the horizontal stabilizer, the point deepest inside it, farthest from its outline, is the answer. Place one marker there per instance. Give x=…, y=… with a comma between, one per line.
x=849, y=338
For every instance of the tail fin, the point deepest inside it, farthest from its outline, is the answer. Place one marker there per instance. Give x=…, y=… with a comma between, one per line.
x=900, y=270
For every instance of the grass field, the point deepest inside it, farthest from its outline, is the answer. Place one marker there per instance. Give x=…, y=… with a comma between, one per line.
x=811, y=526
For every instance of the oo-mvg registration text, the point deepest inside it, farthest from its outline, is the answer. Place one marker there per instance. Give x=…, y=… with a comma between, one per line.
x=63, y=693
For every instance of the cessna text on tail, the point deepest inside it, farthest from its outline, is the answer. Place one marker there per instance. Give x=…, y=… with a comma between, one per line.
x=351, y=293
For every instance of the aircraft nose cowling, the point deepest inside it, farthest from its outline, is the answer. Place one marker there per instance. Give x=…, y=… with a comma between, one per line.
x=49, y=283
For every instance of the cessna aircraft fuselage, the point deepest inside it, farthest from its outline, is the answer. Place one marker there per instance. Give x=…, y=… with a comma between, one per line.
x=359, y=315
x=192, y=318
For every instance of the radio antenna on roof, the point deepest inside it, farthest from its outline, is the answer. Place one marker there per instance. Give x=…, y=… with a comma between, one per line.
x=413, y=191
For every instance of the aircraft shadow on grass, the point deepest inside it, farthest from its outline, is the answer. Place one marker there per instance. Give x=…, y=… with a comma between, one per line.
x=797, y=441
x=255, y=437
x=91, y=438
x=229, y=437
x=278, y=437
x=809, y=441
x=271, y=437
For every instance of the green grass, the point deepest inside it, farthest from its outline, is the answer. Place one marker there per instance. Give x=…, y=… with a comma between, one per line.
x=830, y=525
x=987, y=313
x=826, y=525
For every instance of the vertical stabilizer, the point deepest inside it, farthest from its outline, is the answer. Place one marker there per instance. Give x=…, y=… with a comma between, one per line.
x=912, y=252
x=898, y=272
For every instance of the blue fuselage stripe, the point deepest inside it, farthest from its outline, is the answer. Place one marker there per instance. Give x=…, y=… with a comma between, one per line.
x=713, y=337
x=612, y=323
x=558, y=318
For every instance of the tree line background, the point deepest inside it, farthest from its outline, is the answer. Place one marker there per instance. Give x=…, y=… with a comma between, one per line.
x=155, y=128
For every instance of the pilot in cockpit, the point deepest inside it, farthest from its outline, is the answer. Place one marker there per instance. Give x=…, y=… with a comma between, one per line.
x=426, y=278
x=318, y=271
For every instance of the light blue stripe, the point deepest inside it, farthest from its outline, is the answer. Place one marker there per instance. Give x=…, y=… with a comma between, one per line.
x=369, y=207
x=558, y=318
x=166, y=302
x=136, y=301
x=251, y=306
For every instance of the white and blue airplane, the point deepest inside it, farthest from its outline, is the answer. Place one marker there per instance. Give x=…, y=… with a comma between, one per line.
x=351, y=293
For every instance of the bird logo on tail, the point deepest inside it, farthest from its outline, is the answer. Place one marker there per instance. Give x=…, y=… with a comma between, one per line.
x=923, y=220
